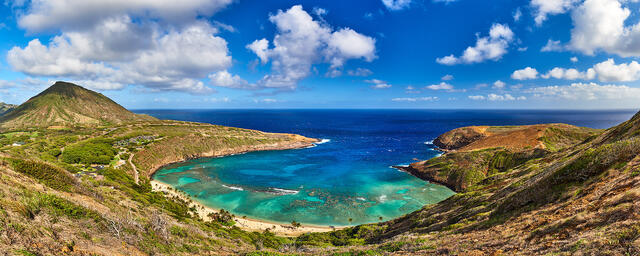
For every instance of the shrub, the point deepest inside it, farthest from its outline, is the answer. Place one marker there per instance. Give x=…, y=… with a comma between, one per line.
x=49, y=175
x=94, y=151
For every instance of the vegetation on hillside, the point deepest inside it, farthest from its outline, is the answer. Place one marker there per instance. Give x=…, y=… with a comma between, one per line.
x=566, y=191
x=68, y=105
x=94, y=151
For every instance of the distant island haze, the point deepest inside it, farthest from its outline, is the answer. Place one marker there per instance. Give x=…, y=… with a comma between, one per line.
x=274, y=128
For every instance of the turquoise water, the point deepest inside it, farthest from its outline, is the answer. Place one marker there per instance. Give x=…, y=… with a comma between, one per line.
x=346, y=178
x=306, y=185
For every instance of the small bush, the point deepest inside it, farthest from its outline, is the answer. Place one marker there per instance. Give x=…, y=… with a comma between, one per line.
x=49, y=175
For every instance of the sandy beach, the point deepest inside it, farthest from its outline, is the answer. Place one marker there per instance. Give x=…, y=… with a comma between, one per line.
x=243, y=223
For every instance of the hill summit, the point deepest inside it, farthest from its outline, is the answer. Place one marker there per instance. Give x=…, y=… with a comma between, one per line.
x=67, y=104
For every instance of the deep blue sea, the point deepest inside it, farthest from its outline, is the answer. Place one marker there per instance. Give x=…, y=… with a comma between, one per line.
x=348, y=179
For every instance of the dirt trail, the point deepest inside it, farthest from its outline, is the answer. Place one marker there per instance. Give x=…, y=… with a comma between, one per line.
x=136, y=175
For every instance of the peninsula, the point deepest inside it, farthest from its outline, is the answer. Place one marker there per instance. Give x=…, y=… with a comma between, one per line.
x=76, y=180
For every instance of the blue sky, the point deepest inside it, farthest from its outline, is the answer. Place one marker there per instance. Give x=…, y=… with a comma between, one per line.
x=537, y=54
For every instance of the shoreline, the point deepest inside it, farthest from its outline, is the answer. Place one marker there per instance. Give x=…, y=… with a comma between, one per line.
x=300, y=142
x=246, y=224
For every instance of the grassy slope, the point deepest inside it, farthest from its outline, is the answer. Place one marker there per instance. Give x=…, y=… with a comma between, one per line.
x=110, y=213
x=65, y=104
x=473, y=158
x=582, y=198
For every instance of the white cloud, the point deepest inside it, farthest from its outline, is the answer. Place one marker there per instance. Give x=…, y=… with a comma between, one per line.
x=100, y=46
x=223, y=99
x=225, y=79
x=569, y=74
x=301, y=42
x=82, y=14
x=587, y=91
x=447, y=77
x=552, y=46
x=481, y=86
x=543, y=8
x=517, y=15
x=497, y=97
x=499, y=85
x=574, y=59
x=396, y=5
x=416, y=99
x=600, y=25
x=608, y=71
x=525, y=73
x=492, y=47
x=259, y=47
x=516, y=87
x=378, y=84
x=347, y=44
x=440, y=86
x=448, y=60
x=320, y=11
x=268, y=100
x=360, y=72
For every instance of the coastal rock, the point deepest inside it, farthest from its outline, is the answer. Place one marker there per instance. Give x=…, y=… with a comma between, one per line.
x=473, y=153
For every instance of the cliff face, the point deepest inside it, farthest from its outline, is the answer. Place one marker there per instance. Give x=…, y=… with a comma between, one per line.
x=201, y=140
x=476, y=152
x=513, y=138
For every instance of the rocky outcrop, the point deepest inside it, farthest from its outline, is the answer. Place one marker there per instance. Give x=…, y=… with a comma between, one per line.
x=513, y=138
x=476, y=152
x=458, y=138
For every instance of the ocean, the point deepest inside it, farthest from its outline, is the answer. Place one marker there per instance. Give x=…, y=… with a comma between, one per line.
x=347, y=179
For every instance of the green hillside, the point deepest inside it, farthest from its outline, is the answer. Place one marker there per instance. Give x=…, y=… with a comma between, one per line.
x=67, y=104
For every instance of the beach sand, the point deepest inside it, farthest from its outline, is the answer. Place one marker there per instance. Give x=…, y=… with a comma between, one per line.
x=242, y=223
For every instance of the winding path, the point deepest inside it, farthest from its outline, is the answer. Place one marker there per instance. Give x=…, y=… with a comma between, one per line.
x=136, y=175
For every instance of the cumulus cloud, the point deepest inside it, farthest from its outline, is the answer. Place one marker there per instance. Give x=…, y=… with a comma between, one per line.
x=267, y=100
x=396, y=5
x=552, y=46
x=447, y=77
x=569, y=74
x=81, y=14
x=161, y=45
x=586, y=91
x=440, y=86
x=600, y=25
x=525, y=73
x=491, y=47
x=360, y=72
x=301, y=42
x=517, y=15
x=378, y=84
x=499, y=85
x=505, y=97
x=416, y=99
x=260, y=47
x=497, y=97
x=574, y=59
x=226, y=79
x=544, y=8
x=608, y=71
